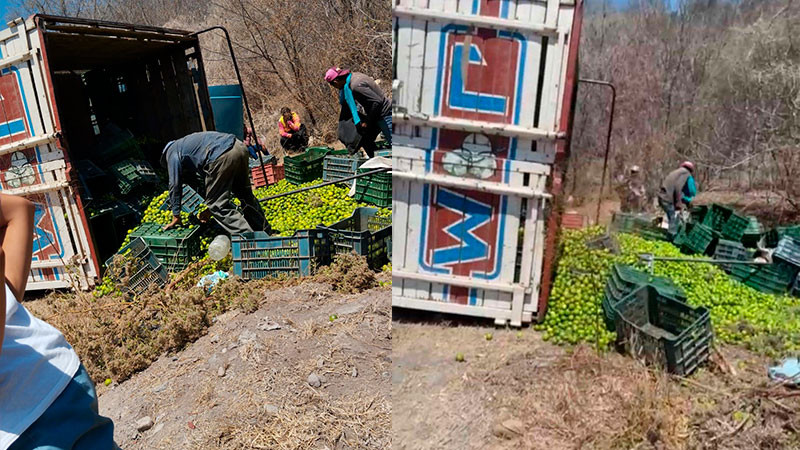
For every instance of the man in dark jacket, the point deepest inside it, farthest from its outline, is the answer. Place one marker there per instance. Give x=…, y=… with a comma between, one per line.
x=222, y=161
x=358, y=89
x=677, y=191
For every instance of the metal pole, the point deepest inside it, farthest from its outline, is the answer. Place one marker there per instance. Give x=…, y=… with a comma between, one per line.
x=650, y=260
x=241, y=86
x=327, y=183
x=608, y=139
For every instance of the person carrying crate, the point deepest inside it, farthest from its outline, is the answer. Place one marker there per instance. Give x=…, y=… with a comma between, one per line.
x=221, y=161
x=47, y=399
x=677, y=192
x=358, y=89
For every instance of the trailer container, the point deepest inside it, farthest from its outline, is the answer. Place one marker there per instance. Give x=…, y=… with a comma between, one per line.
x=482, y=108
x=74, y=90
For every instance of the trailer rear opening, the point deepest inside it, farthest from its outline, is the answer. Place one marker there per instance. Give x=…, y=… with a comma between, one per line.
x=81, y=96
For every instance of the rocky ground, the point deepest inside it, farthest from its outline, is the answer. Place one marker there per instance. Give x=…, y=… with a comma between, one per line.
x=309, y=369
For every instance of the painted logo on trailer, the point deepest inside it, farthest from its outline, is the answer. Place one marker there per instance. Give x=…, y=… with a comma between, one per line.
x=13, y=126
x=482, y=75
x=481, y=79
x=42, y=239
x=464, y=227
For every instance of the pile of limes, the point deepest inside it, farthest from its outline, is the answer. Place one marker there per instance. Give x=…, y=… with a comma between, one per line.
x=304, y=210
x=764, y=323
x=322, y=206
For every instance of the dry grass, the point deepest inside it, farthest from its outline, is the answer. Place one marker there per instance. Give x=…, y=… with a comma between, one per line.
x=311, y=419
x=575, y=398
x=348, y=274
x=116, y=337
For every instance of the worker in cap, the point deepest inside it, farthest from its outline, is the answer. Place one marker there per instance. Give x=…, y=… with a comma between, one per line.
x=221, y=161
x=631, y=191
x=357, y=89
x=676, y=194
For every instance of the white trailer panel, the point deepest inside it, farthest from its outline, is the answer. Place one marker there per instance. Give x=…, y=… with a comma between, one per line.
x=479, y=121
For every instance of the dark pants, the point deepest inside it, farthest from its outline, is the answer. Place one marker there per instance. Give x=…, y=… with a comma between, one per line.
x=72, y=421
x=385, y=124
x=672, y=218
x=381, y=126
x=228, y=176
x=298, y=140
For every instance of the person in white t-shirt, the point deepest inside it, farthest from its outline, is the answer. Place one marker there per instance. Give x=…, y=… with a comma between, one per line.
x=47, y=400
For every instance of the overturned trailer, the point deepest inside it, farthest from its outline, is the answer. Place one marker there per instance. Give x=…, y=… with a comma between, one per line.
x=82, y=92
x=483, y=104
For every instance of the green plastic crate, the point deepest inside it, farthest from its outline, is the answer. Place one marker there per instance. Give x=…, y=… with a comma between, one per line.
x=681, y=237
x=664, y=331
x=716, y=216
x=257, y=255
x=384, y=149
x=773, y=236
x=338, y=167
x=190, y=201
x=788, y=252
x=138, y=266
x=605, y=242
x=698, y=213
x=699, y=240
x=131, y=174
x=651, y=233
x=734, y=227
x=175, y=248
x=730, y=250
x=632, y=223
x=308, y=166
x=752, y=232
x=375, y=189
x=625, y=279
x=363, y=233
x=769, y=278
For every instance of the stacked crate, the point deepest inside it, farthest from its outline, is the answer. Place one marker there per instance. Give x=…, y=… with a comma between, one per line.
x=664, y=330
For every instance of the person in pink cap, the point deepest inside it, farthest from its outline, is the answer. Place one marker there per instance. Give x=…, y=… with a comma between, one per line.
x=357, y=89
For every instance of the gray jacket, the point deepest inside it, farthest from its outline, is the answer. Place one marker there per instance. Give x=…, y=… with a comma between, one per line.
x=671, y=191
x=367, y=94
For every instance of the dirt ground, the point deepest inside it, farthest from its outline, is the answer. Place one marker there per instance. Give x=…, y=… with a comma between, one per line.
x=309, y=369
x=516, y=391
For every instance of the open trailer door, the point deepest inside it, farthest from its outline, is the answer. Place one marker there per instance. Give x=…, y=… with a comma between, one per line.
x=32, y=164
